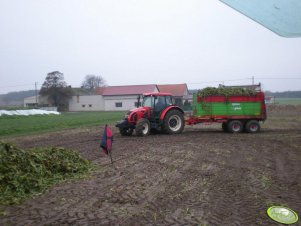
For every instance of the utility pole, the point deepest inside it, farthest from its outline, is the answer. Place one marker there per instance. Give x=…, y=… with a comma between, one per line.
x=35, y=84
x=252, y=80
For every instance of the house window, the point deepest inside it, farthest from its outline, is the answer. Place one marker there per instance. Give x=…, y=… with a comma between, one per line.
x=90, y=105
x=118, y=104
x=83, y=105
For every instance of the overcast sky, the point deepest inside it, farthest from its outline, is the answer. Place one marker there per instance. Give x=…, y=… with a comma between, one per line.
x=198, y=42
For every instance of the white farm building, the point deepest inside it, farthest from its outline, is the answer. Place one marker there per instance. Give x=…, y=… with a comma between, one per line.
x=116, y=98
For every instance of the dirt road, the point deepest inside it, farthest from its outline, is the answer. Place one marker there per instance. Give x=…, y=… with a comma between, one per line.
x=200, y=177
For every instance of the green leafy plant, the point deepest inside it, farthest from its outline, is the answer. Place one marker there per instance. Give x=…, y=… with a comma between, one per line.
x=24, y=173
x=222, y=91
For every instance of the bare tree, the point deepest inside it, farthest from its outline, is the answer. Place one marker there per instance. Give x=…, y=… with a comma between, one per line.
x=92, y=82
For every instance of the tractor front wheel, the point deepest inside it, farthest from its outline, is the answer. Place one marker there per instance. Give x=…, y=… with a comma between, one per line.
x=143, y=127
x=173, y=122
x=126, y=131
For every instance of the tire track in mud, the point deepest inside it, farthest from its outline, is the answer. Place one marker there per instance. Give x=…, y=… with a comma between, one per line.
x=170, y=207
x=178, y=205
x=229, y=201
x=254, y=186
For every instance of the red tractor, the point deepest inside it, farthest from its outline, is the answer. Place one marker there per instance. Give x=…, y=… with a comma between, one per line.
x=157, y=112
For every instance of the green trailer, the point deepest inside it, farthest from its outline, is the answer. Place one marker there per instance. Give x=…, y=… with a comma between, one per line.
x=237, y=113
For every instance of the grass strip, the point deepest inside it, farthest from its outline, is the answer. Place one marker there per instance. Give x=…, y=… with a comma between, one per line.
x=20, y=125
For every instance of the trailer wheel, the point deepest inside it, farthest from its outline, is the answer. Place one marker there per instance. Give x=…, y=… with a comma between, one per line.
x=252, y=126
x=143, y=127
x=173, y=122
x=235, y=126
x=126, y=131
x=225, y=127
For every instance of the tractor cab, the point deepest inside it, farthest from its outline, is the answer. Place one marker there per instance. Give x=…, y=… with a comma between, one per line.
x=157, y=102
x=157, y=112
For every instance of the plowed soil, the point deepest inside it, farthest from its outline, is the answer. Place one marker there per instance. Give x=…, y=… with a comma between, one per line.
x=200, y=177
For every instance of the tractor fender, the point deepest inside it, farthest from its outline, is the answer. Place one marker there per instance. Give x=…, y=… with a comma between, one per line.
x=162, y=116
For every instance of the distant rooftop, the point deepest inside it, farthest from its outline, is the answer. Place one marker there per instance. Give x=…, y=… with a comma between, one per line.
x=177, y=90
x=126, y=90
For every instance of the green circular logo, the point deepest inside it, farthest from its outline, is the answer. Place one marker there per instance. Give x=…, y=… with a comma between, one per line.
x=282, y=214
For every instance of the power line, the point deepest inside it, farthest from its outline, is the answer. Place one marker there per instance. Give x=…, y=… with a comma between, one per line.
x=226, y=80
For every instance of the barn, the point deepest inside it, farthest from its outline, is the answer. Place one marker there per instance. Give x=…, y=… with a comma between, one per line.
x=123, y=98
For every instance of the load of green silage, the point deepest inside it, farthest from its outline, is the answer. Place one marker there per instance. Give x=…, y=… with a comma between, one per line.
x=223, y=91
x=24, y=173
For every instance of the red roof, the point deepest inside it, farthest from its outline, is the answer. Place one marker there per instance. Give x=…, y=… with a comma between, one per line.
x=126, y=90
x=100, y=90
x=177, y=90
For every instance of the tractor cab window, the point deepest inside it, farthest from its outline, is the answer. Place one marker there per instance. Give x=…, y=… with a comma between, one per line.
x=168, y=100
x=160, y=103
x=148, y=101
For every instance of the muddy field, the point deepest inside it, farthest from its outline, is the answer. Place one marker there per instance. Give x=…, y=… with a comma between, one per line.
x=200, y=177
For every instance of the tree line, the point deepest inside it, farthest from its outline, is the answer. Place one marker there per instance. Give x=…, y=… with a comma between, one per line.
x=58, y=92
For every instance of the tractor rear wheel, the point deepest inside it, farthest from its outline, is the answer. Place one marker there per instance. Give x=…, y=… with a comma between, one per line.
x=252, y=126
x=143, y=127
x=126, y=131
x=235, y=126
x=173, y=122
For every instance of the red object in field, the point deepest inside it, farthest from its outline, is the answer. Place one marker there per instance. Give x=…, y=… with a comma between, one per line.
x=106, y=140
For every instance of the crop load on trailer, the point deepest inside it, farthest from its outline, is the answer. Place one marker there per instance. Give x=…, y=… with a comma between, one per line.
x=237, y=109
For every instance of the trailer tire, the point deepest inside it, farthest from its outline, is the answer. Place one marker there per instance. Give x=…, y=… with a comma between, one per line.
x=173, y=122
x=225, y=126
x=143, y=127
x=126, y=131
x=235, y=126
x=252, y=126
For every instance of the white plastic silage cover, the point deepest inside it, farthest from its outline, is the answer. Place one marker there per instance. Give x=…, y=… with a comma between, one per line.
x=28, y=112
